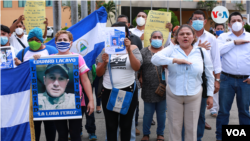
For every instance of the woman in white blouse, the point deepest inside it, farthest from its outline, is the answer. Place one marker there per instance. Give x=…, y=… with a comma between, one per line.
x=184, y=89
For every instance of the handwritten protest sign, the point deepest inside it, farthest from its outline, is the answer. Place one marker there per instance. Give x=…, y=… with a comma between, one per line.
x=55, y=87
x=156, y=20
x=34, y=14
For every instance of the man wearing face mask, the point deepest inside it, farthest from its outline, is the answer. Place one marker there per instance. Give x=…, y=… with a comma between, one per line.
x=235, y=78
x=207, y=41
x=141, y=22
x=219, y=28
x=5, y=37
x=36, y=46
x=19, y=39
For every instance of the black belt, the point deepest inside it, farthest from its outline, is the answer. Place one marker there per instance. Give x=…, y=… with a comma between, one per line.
x=236, y=76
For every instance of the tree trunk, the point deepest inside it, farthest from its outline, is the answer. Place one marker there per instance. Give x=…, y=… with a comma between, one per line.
x=74, y=12
x=56, y=17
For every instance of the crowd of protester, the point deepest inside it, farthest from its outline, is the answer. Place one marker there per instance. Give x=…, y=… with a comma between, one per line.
x=193, y=71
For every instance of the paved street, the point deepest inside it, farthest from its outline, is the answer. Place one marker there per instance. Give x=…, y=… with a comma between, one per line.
x=101, y=131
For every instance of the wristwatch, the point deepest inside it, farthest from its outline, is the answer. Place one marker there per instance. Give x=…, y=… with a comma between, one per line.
x=217, y=80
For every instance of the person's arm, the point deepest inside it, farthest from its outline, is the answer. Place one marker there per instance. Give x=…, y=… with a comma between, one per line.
x=162, y=57
x=102, y=62
x=168, y=39
x=210, y=78
x=13, y=26
x=46, y=25
x=88, y=90
x=134, y=62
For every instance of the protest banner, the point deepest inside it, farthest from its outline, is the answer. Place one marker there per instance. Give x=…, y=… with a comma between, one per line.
x=246, y=18
x=7, y=56
x=114, y=42
x=34, y=14
x=55, y=87
x=156, y=20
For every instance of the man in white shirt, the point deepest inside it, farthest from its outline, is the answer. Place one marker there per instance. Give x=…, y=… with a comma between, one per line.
x=207, y=41
x=19, y=39
x=235, y=78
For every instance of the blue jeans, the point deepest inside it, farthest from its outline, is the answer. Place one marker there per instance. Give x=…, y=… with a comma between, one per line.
x=133, y=137
x=228, y=88
x=149, y=109
x=201, y=121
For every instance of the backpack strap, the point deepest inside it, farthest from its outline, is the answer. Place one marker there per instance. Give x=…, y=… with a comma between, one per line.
x=20, y=42
x=22, y=55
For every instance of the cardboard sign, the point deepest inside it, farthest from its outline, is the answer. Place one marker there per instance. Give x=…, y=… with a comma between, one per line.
x=156, y=20
x=34, y=14
x=220, y=14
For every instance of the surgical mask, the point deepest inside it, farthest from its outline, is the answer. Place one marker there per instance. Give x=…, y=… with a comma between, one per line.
x=237, y=26
x=197, y=25
x=62, y=46
x=156, y=43
x=219, y=32
x=34, y=45
x=4, y=40
x=19, y=31
x=140, y=21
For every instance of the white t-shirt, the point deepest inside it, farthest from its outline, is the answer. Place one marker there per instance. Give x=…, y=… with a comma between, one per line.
x=138, y=33
x=14, y=42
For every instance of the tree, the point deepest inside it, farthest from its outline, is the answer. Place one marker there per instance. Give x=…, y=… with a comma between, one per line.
x=247, y=27
x=110, y=9
x=239, y=6
x=174, y=19
x=208, y=6
x=68, y=6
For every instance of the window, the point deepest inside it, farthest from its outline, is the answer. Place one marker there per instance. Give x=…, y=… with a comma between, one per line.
x=21, y=3
x=235, y=1
x=48, y=3
x=7, y=3
x=65, y=3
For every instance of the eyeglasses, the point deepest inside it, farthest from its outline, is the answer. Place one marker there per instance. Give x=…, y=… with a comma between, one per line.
x=197, y=19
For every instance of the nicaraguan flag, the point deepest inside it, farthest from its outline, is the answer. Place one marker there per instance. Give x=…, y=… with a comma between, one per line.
x=15, y=102
x=88, y=36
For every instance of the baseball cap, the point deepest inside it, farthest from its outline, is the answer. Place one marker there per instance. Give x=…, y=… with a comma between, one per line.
x=64, y=67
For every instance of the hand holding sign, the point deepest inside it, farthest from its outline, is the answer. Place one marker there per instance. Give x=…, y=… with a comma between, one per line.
x=20, y=19
x=169, y=26
x=127, y=43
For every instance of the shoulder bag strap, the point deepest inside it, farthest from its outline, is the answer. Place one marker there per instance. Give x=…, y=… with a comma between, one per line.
x=202, y=60
x=156, y=68
x=20, y=42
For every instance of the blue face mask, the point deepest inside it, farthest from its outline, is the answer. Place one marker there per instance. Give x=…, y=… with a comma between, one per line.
x=219, y=32
x=156, y=43
x=197, y=25
x=4, y=40
x=62, y=46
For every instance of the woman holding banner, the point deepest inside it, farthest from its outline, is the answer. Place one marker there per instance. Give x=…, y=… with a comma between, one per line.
x=184, y=90
x=122, y=77
x=64, y=40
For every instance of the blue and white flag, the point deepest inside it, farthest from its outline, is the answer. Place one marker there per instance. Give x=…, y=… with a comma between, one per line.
x=15, y=103
x=88, y=36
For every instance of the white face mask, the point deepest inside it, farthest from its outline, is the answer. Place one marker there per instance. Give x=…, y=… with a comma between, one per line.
x=140, y=21
x=19, y=31
x=237, y=26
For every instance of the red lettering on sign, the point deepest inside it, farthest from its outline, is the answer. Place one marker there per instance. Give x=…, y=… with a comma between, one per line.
x=215, y=14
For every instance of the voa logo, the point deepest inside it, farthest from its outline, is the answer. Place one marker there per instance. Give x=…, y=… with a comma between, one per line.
x=220, y=14
x=236, y=132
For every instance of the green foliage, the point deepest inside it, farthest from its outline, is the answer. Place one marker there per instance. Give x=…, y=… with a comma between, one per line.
x=110, y=9
x=247, y=27
x=239, y=6
x=65, y=28
x=174, y=19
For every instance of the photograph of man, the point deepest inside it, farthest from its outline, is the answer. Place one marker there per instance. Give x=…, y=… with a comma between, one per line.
x=56, y=78
x=3, y=57
x=114, y=42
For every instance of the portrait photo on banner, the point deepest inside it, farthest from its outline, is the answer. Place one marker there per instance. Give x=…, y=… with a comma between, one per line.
x=7, y=56
x=55, y=87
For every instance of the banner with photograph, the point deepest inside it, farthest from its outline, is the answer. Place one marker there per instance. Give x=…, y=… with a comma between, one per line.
x=246, y=18
x=7, y=56
x=156, y=20
x=55, y=87
x=114, y=42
